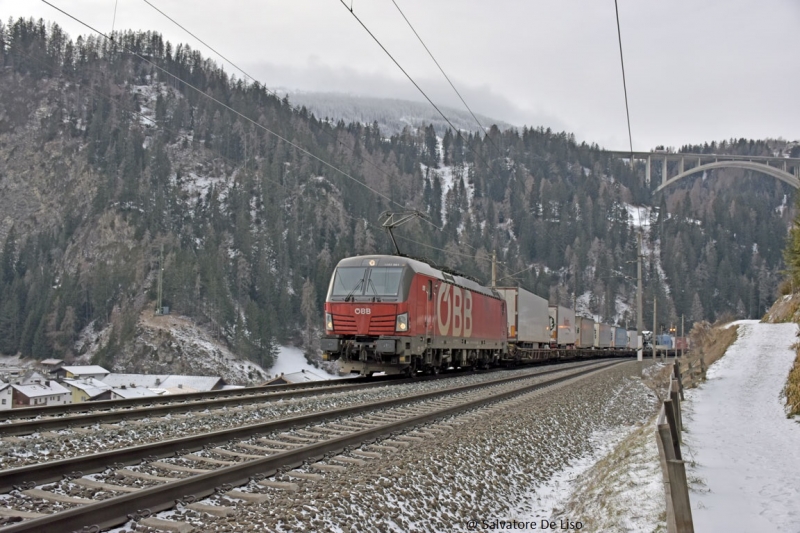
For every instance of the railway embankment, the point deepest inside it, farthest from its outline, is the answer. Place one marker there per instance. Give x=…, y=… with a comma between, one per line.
x=787, y=309
x=709, y=343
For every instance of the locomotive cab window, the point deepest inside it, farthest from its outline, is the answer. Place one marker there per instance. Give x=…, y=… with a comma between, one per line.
x=363, y=281
x=384, y=281
x=348, y=280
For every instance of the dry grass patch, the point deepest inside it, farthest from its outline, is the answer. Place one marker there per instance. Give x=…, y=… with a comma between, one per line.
x=793, y=387
x=709, y=344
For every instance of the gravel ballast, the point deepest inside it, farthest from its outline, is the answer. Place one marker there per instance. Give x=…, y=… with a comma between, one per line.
x=492, y=464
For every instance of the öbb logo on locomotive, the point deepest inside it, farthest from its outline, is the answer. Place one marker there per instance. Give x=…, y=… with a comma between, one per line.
x=363, y=311
x=454, y=311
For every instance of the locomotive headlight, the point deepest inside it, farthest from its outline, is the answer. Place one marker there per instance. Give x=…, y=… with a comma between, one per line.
x=402, y=322
x=328, y=322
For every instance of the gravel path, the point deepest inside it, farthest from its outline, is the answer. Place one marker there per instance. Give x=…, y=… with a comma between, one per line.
x=490, y=464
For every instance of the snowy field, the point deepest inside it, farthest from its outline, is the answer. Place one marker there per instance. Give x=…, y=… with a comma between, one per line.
x=746, y=475
x=292, y=360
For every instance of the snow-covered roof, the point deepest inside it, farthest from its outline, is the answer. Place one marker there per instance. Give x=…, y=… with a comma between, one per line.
x=179, y=390
x=33, y=377
x=137, y=392
x=163, y=381
x=198, y=383
x=3, y=385
x=85, y=370
x=36, y=391
x=51, y=362
x=298, y=377
x=92, y=387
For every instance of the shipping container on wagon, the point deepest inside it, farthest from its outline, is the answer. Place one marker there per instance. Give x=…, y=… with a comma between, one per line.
x=602, y=335
x=681, y=343
x=562, y=326
x=632, y=336
x=585, y=333
x=527, y=317
x=620, y=337
x=664, y=342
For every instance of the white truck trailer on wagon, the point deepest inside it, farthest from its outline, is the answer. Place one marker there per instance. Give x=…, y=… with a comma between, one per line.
x=527, y=318
x=562, y=327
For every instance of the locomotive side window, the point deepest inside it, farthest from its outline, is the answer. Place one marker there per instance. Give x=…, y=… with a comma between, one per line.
x=348, y=280
x=384, y=281
x=430, y=290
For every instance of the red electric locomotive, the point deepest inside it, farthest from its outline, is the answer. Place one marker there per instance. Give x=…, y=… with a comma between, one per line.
x=393, y=314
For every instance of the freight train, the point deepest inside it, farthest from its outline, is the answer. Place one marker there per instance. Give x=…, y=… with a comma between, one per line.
x=394, y=314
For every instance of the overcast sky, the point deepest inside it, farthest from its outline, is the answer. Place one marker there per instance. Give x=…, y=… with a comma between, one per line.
x=697, y=70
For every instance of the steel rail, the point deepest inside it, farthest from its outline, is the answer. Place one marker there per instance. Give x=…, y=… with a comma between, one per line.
x=115, y=511
x=104, y=416
x=50, y=410
x=98, y=462
x=26, y=427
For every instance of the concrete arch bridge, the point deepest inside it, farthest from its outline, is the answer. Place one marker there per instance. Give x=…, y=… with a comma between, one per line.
x=783, y=168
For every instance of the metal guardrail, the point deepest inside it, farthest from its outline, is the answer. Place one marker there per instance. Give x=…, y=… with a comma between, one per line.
x=669, y=427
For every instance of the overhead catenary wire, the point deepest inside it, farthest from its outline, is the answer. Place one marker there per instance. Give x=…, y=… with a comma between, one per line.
x=114, y=20
x=411, y=79
x=444, y=74
x=624, y=83
x=163, y=128
x=234, y=111
x=268, y=90
x=625, y=89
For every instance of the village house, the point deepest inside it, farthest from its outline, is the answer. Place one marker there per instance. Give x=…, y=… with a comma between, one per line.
x=165, y=383
x=39, y=394
x=5, y=396
x=51, y=366
x=88, y=371
x=87, y=390
x=304, y=376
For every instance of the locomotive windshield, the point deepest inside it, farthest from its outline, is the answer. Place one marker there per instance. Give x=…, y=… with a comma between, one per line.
x=360, y=281
x=348, y=280
x=385, y=281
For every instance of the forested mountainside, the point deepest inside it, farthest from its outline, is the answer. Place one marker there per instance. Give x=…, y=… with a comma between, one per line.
x=105, y=160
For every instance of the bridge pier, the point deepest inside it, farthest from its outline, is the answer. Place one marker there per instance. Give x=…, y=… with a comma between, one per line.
x=681, y=167
x=664, y=170
x=647, y=172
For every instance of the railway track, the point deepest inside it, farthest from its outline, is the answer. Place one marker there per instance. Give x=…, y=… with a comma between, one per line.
x=60, y=417
x=175, y=469
x=191, y=398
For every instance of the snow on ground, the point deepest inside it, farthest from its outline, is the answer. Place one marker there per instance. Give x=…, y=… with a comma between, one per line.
x=745, y=469
x=291, y=359
x=639, y=215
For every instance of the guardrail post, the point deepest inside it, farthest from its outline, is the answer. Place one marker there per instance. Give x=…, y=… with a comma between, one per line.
x=677, y=371
x=679, y=491
x=666, y=453
x=675, y=439
x=676, y=403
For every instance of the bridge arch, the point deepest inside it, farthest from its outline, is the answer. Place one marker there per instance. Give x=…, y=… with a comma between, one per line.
x=747, y=165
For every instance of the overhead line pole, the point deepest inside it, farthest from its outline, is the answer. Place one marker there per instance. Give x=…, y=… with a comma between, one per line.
x=639, y=309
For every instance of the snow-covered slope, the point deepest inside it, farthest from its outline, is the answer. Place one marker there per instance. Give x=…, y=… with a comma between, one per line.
x=292, y=360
